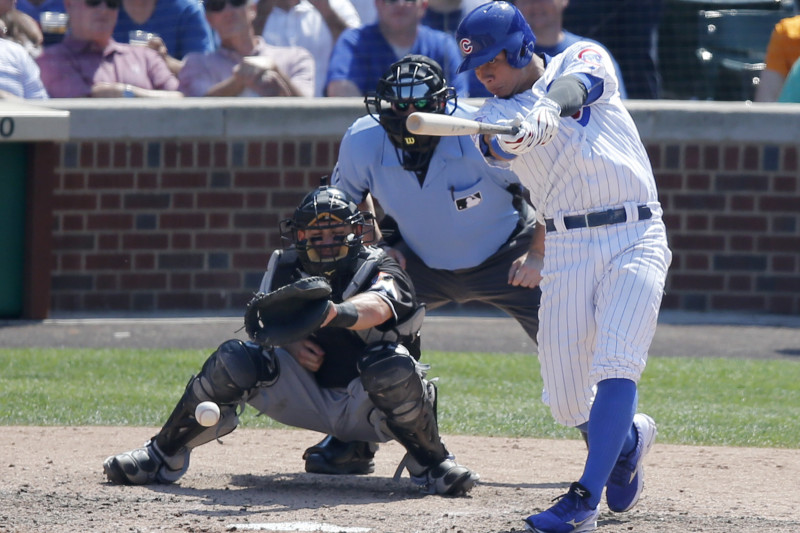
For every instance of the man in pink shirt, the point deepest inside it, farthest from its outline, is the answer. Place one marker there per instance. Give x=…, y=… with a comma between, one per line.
x=244, y=64
x=88, y=62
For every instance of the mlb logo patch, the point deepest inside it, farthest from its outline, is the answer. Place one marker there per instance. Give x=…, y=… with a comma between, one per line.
x=468, y=201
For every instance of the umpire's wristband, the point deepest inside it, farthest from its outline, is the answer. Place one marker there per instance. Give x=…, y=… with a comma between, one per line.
x=346, y=315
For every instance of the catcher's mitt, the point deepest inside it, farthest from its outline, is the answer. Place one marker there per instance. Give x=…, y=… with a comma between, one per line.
x=288, y=314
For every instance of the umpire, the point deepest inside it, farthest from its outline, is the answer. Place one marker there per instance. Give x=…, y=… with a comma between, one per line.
x=354, y=377
x=463, y=229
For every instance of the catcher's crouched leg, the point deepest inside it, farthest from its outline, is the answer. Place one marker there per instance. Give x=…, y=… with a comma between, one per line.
x=226, y=378
x=395, y=383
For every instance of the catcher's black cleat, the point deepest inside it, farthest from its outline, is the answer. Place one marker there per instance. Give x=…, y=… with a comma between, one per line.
x=448, y=478
x=145, y=466
x=335, y=457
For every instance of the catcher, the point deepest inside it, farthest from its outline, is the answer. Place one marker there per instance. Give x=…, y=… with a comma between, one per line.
x=334, y=349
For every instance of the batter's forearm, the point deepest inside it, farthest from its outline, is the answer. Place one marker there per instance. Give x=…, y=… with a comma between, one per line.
x=570, y=93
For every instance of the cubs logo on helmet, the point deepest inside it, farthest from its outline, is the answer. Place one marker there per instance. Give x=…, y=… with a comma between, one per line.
x=491, y=28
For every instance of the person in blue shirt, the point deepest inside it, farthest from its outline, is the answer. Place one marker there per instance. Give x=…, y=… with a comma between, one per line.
x=462, y=228
x=179, y=26
x=35, y=8
x=628, y=30
x=361, y=55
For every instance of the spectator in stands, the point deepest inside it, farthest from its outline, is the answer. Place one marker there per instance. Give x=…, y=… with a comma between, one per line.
x=782, y=52
x=33, y=8
x=245, y=65
x=790, y=93
x=362, y=55
x=19, y=73
x=445, y=15
x=313, y=24
x=178, y=27
x=21, y=28
x=629, y=30
x=546, y=19
x=89, y=62
x=366, y=11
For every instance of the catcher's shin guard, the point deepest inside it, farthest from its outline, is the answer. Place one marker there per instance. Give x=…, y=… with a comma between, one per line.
x=396, y=385
x=226, y=378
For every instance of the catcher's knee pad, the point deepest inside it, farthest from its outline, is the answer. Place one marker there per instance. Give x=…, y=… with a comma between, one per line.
x=396, y=385
x=390, y=377
x=233, y=370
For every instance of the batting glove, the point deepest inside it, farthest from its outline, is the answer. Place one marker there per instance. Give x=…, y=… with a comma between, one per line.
x=521, y=142
x=544, y=120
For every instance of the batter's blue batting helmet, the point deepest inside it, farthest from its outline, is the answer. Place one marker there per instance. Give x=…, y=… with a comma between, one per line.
x=493, y=27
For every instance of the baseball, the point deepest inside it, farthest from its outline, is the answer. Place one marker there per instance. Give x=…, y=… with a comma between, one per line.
x=207, y=413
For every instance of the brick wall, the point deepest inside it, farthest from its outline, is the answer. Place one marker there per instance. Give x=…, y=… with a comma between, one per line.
x=173, y=225
x=732, y=215
x=186, y=221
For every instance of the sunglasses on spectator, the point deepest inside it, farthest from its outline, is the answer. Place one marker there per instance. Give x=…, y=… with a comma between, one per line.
x=422, y=104
x=110, y=4
x=219, y=5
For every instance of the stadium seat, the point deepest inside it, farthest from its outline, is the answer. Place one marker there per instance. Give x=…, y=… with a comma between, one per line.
x=731, y=46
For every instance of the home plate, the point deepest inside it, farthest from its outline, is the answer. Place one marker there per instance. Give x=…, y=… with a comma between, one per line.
x=297, y=526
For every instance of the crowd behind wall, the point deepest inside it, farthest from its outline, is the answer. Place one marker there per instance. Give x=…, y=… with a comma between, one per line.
x=665, y=49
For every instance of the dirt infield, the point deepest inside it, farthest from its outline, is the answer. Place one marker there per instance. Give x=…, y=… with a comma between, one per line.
x=51, y=481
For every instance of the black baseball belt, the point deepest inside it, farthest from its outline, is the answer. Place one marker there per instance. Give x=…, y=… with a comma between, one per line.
x=599, y=218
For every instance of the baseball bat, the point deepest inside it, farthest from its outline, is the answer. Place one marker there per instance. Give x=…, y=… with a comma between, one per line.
x=449, y=126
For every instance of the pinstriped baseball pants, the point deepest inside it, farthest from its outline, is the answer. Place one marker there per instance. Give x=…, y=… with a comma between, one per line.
x=601, y=294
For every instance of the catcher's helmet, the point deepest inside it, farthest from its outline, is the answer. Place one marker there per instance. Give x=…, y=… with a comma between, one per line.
x=493, y=27
x=326, y=208
x=417, y=81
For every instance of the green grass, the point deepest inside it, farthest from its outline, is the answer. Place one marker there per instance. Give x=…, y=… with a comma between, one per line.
x=730, y=402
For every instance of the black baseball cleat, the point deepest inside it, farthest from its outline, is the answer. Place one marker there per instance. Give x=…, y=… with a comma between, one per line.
x=448, y=478
x=335, y=457
x=145, y=466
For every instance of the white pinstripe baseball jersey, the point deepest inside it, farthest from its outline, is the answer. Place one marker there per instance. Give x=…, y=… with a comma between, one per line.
x=597, y=159
x=601, y=286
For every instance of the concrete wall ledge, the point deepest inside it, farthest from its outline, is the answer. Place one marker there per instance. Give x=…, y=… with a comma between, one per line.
x=232, y=118
x=21, y=121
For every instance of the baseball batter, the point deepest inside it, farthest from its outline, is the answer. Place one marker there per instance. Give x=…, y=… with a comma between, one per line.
x=600, y=237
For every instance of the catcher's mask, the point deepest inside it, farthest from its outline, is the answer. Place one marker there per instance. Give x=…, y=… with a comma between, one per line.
x=327, y=230
x=415, y=83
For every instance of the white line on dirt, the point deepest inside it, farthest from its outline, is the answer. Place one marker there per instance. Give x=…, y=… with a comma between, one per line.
x=297, y=526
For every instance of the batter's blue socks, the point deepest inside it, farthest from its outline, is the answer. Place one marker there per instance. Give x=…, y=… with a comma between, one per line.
x=610, y=432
